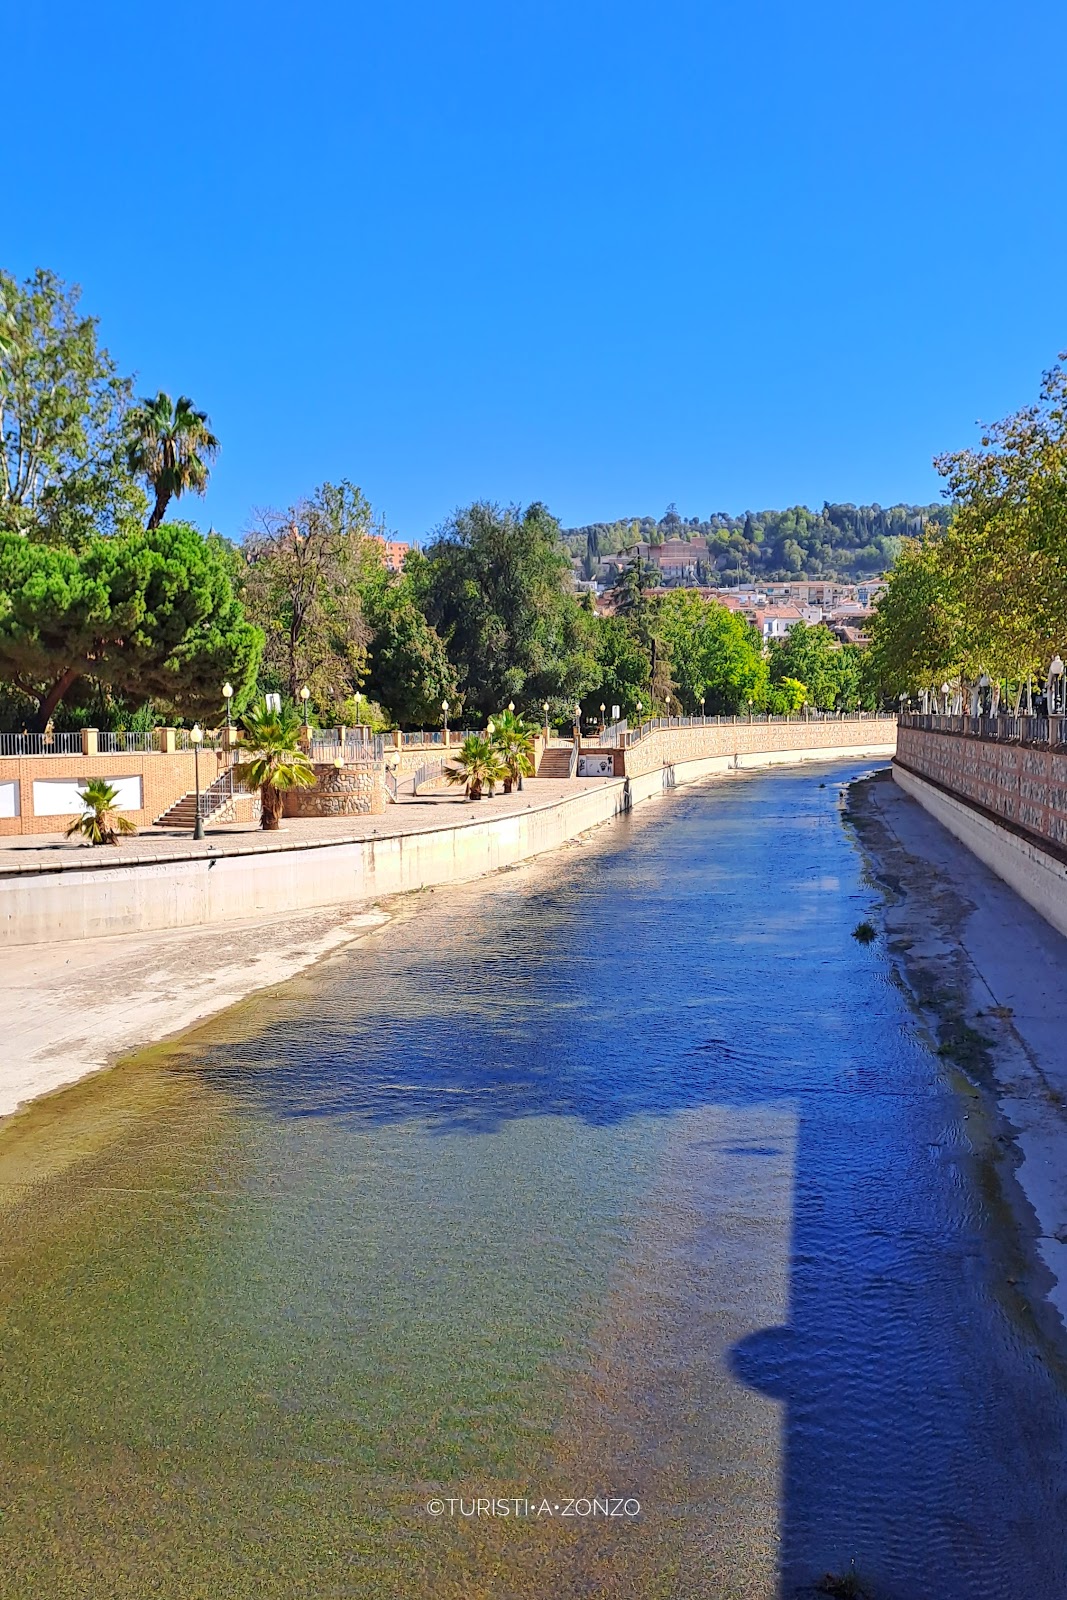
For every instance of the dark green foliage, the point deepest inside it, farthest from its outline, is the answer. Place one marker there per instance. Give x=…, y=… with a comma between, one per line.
x=496, y=587
x=840, y=541
x=154, y=615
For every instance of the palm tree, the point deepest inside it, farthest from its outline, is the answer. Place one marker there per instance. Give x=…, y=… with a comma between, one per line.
x=478, y=765
x=275, y=761
x=100, y=822
x=514, y=740
x=170, y=446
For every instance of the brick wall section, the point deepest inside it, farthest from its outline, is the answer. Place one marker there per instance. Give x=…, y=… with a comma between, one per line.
x=164, y=779
x=1025, y=784
x=668, y=746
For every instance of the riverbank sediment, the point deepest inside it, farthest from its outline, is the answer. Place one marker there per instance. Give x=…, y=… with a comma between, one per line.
x=985, y=972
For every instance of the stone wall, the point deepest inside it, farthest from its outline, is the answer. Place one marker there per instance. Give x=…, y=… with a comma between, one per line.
x=1026, y=785
x=339, y=792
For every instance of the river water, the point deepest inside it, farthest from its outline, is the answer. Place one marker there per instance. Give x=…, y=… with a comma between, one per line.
x=627, y=1176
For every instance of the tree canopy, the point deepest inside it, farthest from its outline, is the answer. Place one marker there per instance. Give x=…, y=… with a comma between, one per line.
x=152, y=613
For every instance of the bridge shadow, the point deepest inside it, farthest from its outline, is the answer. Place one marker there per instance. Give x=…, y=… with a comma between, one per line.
x=709, y=963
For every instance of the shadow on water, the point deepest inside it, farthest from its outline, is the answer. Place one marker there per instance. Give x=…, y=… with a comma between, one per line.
x=699, y=962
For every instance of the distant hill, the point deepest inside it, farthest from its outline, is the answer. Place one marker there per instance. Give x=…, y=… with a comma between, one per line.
x=840, y=541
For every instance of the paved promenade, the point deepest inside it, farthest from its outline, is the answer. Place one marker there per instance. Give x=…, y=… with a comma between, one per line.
x=51, y=852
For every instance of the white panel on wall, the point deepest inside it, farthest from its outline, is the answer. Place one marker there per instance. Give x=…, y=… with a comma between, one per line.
x=59, y=797
x=9, y=798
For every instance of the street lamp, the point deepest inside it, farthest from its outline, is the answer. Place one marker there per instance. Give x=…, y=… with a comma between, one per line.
x=511, y=707
x=544, y=708
x=703, y=718
x=227, y=695
x=357, y=699
x=196, y=734
x=577, y=723
x=667, y=698
x=750, y=711
x=1055, y=685
x=305, y=695
x=444, y=713
x=945, y=692
x=602, y=709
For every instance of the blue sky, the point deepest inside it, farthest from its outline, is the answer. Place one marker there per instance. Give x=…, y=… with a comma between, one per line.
x=607, y=255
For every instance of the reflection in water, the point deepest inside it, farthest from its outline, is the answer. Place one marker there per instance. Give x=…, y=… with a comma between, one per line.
x=624, y=1174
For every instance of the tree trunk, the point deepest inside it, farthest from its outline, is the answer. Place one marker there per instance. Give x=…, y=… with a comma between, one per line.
x=270, y=803
x=54, y=696
x=162, y=501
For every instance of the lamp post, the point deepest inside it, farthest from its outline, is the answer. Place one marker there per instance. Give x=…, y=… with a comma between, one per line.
x=357, y=699
x=1055, y=686
x=511, y=707
x=602, y=709
x=196, y=734
x=305, y=695
x=945, y=691
x=444, y=713
x=544, y=708
x=577, y=723
x=667, y=699
x=703, y=718
x=227, y=695
x=640, y=708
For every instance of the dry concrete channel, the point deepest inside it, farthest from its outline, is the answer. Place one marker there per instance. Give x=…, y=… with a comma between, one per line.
x=599, y=1219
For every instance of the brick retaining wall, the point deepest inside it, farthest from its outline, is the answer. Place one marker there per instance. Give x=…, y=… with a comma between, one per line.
x=1024, y=784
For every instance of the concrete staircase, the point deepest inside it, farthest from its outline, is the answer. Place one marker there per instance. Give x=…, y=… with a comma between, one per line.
x=217, y=802
x=555, y=762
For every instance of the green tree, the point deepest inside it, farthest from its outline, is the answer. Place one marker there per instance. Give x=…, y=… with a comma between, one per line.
x=274, y=761
x=152, y=614
x=306, y=574
x=514, y=742
x=624, y=667
x=170, y=446
x=100, y=822
x=62, y=417
x=714, y=652
x=916, y=630
x=408, y=669
x=496, y=585
x=809, y=655
x=477, y=765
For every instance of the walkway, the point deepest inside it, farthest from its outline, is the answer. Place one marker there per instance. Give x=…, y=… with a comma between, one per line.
x=49, y=852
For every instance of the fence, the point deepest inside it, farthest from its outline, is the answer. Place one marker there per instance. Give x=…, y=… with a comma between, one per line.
x=619, y=736
x=1001, y=729
x=425, y=773
x=357, y=749
x=40, y=744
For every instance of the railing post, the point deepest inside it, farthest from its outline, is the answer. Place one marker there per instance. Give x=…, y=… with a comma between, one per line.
x=167, y=741
x=90, y=741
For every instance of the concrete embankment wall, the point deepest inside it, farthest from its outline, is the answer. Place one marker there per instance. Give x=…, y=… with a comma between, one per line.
x=1006, y=803
x=89, y=901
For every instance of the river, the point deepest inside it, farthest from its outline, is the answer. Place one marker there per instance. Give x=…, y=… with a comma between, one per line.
x=626, y=1179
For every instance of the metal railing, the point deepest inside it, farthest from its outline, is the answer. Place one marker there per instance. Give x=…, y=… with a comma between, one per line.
x=124, y=742
x=183, y=740
x=619, y=736
x=355, y=751
x=40, y=744
x=428, y=771
x=1005, y=728
x=423, y=736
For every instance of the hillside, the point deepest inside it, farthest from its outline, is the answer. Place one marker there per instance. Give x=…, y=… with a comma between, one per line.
x=840, y=541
